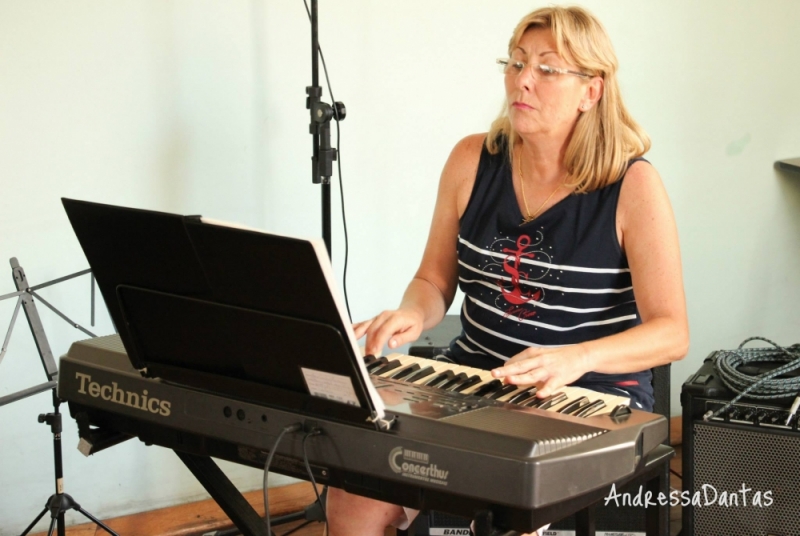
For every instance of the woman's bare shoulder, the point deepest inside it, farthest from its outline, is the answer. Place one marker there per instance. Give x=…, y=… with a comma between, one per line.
x=641, y=175
x=643, y=200
x=459, y=173
x=462, y=164
x=470, y=147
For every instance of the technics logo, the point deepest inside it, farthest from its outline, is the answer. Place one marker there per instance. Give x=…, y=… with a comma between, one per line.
x=114, y=394
x=416, y=465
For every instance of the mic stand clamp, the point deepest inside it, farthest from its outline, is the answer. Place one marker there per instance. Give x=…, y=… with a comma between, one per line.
x=320, y=127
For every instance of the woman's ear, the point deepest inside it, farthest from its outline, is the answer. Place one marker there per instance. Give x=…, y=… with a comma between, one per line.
x=594, y=90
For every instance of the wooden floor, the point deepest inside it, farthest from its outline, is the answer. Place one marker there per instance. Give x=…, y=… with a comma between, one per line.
x=205, y=517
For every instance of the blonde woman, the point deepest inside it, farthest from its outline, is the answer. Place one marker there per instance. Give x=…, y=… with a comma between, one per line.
x=560, y=235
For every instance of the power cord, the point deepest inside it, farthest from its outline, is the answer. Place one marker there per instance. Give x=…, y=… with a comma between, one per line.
x=312, y=433
x=289, y=429
x=339, y=167
x=764, y=386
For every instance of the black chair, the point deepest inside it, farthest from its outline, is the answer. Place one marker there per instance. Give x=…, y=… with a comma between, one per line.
x=433, y=342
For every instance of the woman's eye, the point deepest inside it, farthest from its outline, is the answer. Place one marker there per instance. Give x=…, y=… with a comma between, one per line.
x=547, y=70
x=517, y=65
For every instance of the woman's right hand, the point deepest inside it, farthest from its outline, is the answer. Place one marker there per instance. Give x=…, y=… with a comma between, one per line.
x=395, y=328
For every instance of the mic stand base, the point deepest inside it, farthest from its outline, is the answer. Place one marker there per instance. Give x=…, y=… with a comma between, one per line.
x=58, y=505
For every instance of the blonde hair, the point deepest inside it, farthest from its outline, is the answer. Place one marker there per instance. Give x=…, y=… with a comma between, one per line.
x=606, y=137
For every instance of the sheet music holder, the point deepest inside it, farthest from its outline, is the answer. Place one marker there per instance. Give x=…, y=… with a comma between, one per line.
x=228, y=309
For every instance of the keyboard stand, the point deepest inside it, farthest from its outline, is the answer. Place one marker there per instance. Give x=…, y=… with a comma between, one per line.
x=225, y=494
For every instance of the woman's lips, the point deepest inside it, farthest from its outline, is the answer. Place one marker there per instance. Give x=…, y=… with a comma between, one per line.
x=522, y=106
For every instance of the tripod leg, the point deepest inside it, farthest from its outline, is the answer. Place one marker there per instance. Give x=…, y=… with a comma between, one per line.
x=52, y=526
x=96, y=521
x=46, y=508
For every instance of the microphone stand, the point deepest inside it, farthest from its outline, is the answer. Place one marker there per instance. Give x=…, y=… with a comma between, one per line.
x=320, y=128
x=60, y=502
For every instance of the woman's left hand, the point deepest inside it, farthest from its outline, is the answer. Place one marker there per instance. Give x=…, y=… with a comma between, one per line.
x=548, y=368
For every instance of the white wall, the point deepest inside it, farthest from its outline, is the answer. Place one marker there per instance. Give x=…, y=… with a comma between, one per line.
x=199, y=107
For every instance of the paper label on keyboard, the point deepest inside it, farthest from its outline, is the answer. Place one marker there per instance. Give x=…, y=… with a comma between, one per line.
x=331, y=386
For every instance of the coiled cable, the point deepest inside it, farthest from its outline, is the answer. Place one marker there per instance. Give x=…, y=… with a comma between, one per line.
x=765, y=386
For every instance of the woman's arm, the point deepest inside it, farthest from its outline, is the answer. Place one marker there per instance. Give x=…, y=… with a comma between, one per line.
x=648, y=235
x=433, y=287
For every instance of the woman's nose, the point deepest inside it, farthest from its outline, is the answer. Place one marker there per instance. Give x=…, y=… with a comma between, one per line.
x=525, y=79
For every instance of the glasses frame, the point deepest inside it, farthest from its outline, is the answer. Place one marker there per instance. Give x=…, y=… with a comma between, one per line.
x=543, y=68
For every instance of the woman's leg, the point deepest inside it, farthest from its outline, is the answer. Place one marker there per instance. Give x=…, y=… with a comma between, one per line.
x=350, y=514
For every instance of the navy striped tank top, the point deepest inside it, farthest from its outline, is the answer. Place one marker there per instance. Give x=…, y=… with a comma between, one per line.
x=561, y=279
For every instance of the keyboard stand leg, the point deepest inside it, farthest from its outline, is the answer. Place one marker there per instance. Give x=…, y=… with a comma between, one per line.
x=225, y=494
x=585, y=522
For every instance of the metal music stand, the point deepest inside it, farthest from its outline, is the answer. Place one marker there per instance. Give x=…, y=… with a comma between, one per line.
x=59, y=502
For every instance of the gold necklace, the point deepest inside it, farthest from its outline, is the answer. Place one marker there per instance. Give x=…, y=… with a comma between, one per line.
x=530, y=217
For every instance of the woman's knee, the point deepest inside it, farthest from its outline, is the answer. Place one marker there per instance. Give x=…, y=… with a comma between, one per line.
x=352, y=514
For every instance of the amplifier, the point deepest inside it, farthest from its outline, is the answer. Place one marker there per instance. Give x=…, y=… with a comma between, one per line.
x=741, y=469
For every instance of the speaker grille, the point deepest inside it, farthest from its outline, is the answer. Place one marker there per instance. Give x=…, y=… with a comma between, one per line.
x=726, y=458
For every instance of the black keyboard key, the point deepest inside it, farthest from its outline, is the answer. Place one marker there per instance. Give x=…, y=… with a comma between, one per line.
x=590, y=409
x=466, y=384
x=388, y=367
x=369, y=359
x=405, y=371
x=523, y=395
x=440, y=378
x=377, y=363
x=454, y=381
x=424, y=373
x=574, y=406
x=553, y=400
x=503, y=391
x=548, y=402
x=488, y=388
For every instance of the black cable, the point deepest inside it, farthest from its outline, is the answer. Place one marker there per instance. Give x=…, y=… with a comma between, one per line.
x=339, y=167
x=676, y=473
x=314, y=432
x=764, y=386
x=292, y=428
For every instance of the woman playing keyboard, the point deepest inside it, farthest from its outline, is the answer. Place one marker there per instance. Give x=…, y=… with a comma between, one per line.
x=559, y=234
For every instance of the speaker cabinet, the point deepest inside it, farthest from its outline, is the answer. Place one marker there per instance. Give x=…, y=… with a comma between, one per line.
x=741, y=470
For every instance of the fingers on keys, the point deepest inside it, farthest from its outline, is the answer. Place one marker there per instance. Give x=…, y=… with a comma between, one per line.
x=567, y=400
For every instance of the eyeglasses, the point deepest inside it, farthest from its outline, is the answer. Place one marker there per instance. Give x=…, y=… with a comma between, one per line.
x=539, y=71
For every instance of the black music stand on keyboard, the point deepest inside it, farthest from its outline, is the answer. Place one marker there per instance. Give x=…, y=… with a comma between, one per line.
x=227, y=310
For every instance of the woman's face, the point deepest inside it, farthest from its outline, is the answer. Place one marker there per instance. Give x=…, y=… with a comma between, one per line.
x=539, y=103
